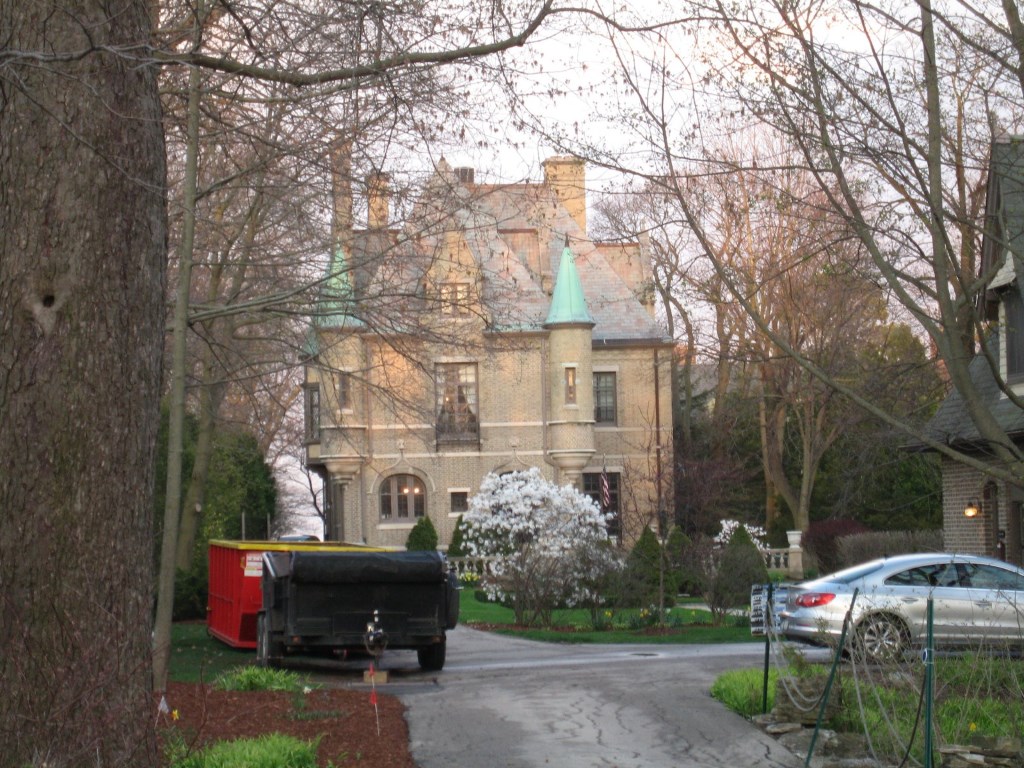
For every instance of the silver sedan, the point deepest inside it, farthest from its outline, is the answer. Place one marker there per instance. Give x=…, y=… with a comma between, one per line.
x=978, y=602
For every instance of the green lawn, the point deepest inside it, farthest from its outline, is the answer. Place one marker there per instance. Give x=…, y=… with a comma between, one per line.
x=197, y=657
x=684, y=625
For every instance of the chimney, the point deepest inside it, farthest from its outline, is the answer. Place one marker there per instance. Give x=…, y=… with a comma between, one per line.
x=378, y=195
x=566, y=177
x=341, y=194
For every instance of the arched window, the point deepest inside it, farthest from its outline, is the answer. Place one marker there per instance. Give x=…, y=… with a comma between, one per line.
x=402, y=497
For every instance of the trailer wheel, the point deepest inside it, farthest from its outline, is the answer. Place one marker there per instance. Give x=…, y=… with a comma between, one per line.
x=431, y=657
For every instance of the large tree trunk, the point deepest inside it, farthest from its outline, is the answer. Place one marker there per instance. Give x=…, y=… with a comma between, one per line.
x=82, y=249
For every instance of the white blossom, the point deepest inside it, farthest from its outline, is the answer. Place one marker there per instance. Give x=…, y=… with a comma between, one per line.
x=757, y=534
x=546, y=544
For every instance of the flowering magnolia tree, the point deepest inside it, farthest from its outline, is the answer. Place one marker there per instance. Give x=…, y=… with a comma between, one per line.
x=757, y=534
x=548, y=545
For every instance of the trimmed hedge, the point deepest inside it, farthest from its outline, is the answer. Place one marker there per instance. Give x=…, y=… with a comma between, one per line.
x=861, y=547
x=422, y=537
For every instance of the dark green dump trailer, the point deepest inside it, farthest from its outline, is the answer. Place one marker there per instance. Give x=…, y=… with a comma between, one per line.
x=334, y=603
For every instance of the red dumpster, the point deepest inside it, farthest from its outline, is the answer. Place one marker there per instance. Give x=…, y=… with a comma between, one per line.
x=235, y=591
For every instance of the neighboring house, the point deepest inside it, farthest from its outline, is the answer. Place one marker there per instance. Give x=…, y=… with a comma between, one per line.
x=992, y=523
x=512, y=340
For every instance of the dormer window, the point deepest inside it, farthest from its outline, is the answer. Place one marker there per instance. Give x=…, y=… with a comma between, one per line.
x=454, y=298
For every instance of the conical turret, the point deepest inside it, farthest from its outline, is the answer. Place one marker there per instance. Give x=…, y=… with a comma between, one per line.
x=568, y=305
x=570, y=372
x=336, y=304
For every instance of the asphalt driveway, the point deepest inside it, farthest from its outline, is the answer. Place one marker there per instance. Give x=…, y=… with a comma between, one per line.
x=509, y=703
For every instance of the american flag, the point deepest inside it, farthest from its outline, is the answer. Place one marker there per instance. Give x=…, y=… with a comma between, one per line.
x=606, y=491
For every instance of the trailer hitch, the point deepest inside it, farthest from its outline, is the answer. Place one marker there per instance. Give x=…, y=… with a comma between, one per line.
x=375, y=638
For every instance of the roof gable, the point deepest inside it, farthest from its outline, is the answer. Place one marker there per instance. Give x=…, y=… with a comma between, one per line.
x=1003, y=237
x=1004, y=218
x=516, y=291
x=951, y=423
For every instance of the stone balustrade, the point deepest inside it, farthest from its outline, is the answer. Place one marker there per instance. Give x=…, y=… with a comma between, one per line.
x=789, y=561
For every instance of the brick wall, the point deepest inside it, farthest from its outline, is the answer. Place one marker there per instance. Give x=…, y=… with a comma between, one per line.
x=962, y=485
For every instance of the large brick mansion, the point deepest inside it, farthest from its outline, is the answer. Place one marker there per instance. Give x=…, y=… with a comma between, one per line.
x=512, y=340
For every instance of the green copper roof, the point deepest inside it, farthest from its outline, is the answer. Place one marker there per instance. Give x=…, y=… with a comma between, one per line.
x=336, y=296
x=567, y=302
x=311, y=345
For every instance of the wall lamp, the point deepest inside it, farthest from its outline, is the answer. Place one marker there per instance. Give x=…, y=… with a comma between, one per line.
x=972, y=509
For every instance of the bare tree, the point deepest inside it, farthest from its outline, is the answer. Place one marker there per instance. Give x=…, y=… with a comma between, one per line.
x=81, y=279
x=890, y=110
x=254, y=145
x=705, y=476
x=881, y=133
x=801, y=270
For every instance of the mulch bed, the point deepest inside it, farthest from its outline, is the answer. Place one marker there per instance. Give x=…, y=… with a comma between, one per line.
x=343, y=720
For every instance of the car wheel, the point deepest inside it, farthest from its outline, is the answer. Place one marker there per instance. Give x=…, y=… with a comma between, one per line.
x=880, y=638
x=431, y=657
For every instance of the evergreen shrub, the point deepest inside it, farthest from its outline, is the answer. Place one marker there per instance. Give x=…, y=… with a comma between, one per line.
x=740, y=566
x=455, y=548
x=422, y=537
x=641, y=580
x=676, y=549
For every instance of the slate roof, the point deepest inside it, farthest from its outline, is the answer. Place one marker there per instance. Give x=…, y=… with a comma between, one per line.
x=617, y=314
x=952, y=424
x=1004, y=237
x=514, y=295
